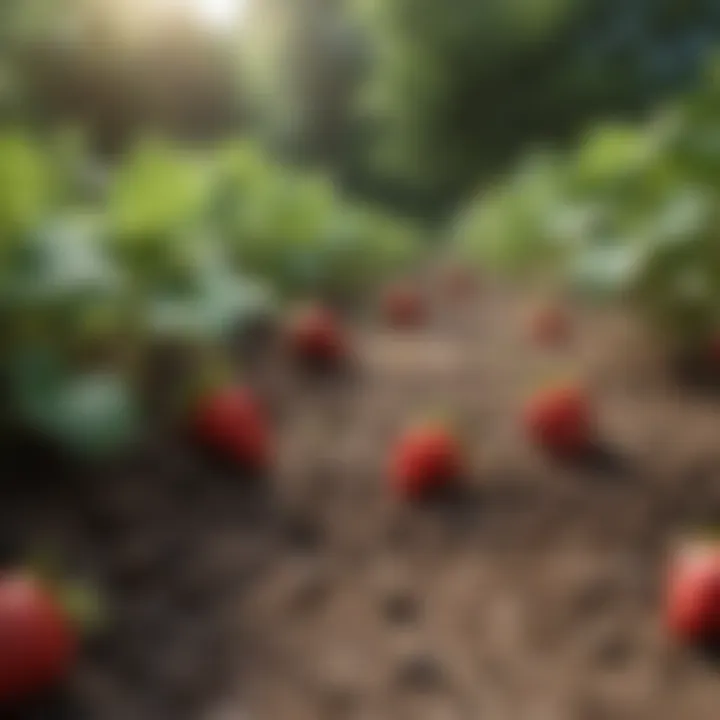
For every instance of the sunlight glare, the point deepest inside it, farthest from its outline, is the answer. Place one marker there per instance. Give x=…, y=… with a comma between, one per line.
x=220, y=13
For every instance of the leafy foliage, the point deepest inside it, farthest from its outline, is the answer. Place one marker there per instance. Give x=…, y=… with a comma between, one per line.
x=459, y=88
x=407, y=101
x=632, y=213
x=172, y=245
x=300, y=231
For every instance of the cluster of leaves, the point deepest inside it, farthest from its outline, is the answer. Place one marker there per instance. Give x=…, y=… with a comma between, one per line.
x=297, y=230
x=99, y=267
x=458, y=88
x=633, y=213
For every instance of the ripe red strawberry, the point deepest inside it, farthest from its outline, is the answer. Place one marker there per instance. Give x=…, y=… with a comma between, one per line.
x=403, y=306
x=560, y=419
x=315, y=336
x=425, y=459
x=692, y=593
x=549, y=325
x=37, y=643
x=230, y=421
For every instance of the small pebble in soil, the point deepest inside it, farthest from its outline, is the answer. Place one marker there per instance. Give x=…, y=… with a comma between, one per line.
x=143, y=557
x=182, y=671
x=399, y=533
x=400, y=608
x=338, y=702
x=302, y=533
x=229, y=710
x=308, y=586
x=612, y=650
x=592, y=599
x=323, y=480
x=421, y=672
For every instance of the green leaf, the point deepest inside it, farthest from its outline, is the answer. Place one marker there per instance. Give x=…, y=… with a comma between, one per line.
x=26, y=189
x=64, y=260
x=33, y=374
x=156, y=192
x=92, y=415
x=606, y=271
x=220, y=305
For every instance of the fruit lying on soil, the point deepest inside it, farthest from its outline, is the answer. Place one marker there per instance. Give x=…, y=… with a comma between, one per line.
x=692, y=593
x=38, y=645
x=316, y=337
x=404, y=306
x=231, y=422
x=426, y=459
x=549, y=325
x=560, y=420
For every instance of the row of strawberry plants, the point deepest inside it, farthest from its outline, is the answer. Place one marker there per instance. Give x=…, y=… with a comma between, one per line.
x=632, y=214
x=170, y=246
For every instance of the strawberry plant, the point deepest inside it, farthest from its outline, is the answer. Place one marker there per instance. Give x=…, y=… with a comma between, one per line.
x=631, y=215
x=103, y=267
x=298, y=231
x=60, y=298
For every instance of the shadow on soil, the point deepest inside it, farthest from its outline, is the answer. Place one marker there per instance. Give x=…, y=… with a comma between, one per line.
x=710, y=653
x=56, y=705
x=605, y=462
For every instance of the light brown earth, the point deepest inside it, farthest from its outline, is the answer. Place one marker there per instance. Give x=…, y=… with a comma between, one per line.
x=532, y=594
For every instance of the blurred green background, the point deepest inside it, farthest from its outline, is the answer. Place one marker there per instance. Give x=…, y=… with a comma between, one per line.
x=175, y=169
x=410, y=102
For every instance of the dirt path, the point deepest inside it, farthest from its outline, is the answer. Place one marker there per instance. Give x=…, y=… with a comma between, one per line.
x=531, y=595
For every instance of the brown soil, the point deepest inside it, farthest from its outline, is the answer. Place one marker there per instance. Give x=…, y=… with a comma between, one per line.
x=532, y=594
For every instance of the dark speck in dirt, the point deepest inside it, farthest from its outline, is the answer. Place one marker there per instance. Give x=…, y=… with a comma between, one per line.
x=606, y=462
x=592, y=599
x=710, y=652
x=613, y=650
x=400, y=608
x=302, y=533
x=311, y=588
x=420, y=672
x=338, y=702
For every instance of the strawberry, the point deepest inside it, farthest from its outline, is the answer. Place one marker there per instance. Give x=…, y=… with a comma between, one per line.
x=403, y=306
x=549, y=325
x=560, y=419
x=230, y=421
x=692, y=593
x=37, y=643
x=315, y=336
x=425, y=459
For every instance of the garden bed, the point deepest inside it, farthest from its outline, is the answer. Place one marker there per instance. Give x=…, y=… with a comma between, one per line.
x=533, y=592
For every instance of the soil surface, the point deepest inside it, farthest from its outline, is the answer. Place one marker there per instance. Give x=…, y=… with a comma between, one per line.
x=531, y=594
